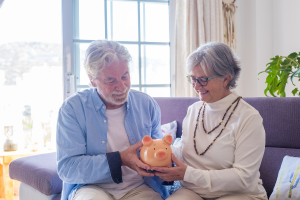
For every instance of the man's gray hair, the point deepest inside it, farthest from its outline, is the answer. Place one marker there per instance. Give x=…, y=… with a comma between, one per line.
x=218, y=59
x=102, y=53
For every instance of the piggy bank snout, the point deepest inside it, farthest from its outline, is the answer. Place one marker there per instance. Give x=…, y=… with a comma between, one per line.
x=160, y=154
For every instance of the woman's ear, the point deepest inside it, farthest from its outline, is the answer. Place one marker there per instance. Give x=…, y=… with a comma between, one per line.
x=91, y=80
x=226, y=80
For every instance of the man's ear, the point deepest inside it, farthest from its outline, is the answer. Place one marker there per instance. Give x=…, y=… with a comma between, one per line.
x=226, y=80
x=91, y=80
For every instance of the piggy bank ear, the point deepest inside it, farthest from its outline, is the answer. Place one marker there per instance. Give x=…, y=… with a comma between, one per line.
x=168, y=139
x=147, y=140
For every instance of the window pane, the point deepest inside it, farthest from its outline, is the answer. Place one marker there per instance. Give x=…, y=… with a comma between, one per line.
x=155, y=64
x=135, y=88
x=91, y=20
x=30, y=71
x=155, y=22
x=157, y=91
x=124, y=21
x=83, y=79
x=134, y=64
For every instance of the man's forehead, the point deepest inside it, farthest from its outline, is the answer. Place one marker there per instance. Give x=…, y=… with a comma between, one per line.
x=115, y=70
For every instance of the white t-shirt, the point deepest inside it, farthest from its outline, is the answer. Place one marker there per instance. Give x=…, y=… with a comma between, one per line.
x=231, y=164
x=117, y=140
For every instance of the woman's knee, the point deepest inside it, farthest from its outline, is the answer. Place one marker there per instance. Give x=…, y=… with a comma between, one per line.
x=184, y=193
x=236, y=197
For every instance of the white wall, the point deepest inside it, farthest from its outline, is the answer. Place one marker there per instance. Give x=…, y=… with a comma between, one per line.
x=264, y=28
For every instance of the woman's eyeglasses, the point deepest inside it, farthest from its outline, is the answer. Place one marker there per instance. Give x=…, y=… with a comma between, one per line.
x=202, y=81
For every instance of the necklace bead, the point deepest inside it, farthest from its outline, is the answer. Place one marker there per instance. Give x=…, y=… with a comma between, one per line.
x=208, y=132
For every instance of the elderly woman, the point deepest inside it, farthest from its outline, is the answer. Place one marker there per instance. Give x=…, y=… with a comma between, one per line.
x=223, y=138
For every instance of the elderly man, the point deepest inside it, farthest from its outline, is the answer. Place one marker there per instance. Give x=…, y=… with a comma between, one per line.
x=99, y=132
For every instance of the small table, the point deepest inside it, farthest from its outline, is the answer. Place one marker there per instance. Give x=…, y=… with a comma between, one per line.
x=6, y=184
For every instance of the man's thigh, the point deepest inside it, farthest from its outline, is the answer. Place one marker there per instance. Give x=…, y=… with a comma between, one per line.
x=142, y=193
x=92, y=192
x=183, y=193
x=241, y=197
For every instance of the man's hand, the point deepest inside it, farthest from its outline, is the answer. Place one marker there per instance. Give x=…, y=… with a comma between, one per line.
x=173, y=173
x=129, y=158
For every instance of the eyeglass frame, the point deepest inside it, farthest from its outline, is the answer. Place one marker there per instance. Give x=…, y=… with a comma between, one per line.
x=197, y=79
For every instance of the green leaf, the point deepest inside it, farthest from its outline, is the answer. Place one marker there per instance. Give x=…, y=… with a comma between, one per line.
x=269, y=79
x=278, y=84
x=279, y=70
x=286, y=62
x=284, y=77
x=295, y=91
x=293, y=55
x=283, y=94
x=296, y=73
x=266, y=91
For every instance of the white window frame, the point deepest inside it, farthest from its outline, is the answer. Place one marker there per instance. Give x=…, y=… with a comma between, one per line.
x=69, y=62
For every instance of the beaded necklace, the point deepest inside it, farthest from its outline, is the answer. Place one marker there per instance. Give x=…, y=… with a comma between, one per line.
x=204, y=104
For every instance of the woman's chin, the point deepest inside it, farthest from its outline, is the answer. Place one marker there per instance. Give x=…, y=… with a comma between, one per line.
x=204, y=96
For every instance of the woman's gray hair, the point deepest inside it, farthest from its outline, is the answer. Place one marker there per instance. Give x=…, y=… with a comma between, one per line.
x=218, y=59
x=102, y=53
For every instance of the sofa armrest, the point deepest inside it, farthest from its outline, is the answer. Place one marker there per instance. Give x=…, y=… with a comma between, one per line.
x=38, y=171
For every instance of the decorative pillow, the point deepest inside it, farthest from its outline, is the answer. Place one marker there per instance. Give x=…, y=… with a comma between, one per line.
x=287, y=186
x=169, y=129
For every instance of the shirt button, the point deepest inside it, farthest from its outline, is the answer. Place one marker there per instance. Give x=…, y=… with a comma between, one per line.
x=103, y=106
x=103, y=142
x=105, y=121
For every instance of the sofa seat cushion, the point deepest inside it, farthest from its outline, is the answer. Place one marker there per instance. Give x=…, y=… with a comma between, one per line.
x=38, y=171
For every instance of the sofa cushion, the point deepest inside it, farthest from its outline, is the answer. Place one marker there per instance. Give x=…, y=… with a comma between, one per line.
x=170, y=129
x=271, y=164
x=287, y=180
x=39, y=172
x=281, y=119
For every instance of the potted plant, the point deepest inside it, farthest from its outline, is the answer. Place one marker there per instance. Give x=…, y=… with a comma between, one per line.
x=279, y=71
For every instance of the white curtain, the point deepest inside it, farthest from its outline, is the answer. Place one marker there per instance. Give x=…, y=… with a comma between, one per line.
x=196, y=22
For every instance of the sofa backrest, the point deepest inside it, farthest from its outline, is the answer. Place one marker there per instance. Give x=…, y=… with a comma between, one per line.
x=281, y=119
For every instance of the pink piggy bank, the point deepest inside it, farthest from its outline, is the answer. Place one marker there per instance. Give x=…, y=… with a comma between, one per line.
x=157, y=153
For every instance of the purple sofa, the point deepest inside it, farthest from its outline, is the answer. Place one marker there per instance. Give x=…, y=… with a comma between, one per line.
x=281, y=121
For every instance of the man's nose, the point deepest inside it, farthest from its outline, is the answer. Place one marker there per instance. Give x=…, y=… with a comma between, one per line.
x=121, y=86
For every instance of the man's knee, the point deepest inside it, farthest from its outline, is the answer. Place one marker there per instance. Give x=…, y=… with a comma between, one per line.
x=145, y=193
x=91, y=192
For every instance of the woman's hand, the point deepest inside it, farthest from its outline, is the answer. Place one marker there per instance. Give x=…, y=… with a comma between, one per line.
x=172, y=173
